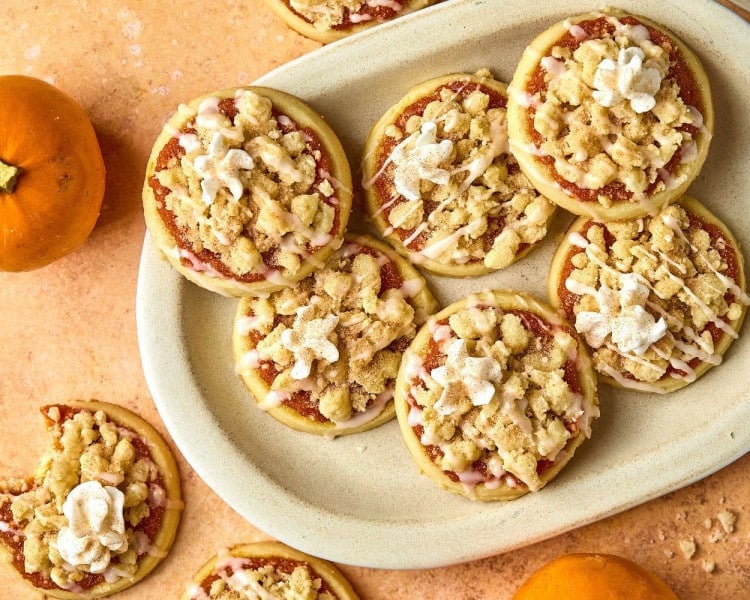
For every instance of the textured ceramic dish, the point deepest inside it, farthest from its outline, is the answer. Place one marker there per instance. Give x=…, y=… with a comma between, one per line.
x=361, y=500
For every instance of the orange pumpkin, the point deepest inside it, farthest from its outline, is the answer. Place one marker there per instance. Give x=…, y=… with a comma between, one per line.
x=51, y=174
x=593, y=577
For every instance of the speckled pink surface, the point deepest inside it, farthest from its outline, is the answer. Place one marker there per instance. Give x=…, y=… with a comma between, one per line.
x=68, y=330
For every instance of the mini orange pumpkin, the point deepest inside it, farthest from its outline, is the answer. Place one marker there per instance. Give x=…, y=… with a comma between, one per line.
x=593, y=577
x=51, y=174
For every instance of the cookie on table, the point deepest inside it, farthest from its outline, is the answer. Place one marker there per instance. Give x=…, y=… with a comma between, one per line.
x=268, y=570
x=330, y=20
x=494, y=395
x=247, y=190
x=102, y=509
x=610, y=115
x=322, y=357
x=658, y=299
x=441, y=185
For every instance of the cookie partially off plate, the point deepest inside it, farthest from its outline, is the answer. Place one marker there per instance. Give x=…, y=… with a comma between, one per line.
x=268, y=570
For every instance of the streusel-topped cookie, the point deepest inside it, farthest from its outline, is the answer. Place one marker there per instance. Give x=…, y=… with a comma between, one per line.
x=494, y=395
x=658, y=299
x=102, y=510
x=322, y=357
x=610, y=115
x=268, y=571
x=441, y=185
x=330, y=20
x=247, y=190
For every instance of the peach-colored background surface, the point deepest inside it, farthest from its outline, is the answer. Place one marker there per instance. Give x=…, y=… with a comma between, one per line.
x=68, y=330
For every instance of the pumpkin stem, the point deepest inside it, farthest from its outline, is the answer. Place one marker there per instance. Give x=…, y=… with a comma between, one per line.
x=8, y=177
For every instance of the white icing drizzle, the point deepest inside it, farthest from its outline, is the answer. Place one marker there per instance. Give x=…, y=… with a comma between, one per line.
x=273, y=399
x=369, y=414
x=575, y=30
x=392, y=4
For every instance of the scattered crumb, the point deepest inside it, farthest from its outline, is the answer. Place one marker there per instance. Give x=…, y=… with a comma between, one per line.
x=131, y=30
x=688, y=548
x=661, y=535
x=361, y=449
x=722, y=500
x=669, y=553
x=33, y=52
x=727, y=519
x=708, y=523
x=681, y=516
x=715, y=536
x=708, y=565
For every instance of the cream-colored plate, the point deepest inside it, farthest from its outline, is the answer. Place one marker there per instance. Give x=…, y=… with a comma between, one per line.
x=359, y=499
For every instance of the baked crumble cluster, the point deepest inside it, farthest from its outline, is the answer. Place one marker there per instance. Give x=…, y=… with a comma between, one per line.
x=460, y=196
x=249, y=185
x=650, y=291
x=265, y=581
x=80, y=516
x=333, y=335
x=611, y=113
x=499, y=397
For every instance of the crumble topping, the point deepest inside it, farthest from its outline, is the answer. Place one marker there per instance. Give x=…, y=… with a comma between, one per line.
x=654, y=295
x=64, y=541
x=611, y=113
x=334, y=335
x=248, y=186
x=327, y=14
x=498, y=407
x=458, y=195
x=267, y=581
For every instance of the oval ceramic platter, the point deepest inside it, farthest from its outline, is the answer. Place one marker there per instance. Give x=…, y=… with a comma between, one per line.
x=359, y=499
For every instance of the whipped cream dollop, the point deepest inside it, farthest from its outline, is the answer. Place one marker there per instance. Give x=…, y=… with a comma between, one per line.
x=463, y=375
x=96, y=526
x=220, y=168
x=627, y=79
x=420, y=160
x=307, y=340
x=623, y=316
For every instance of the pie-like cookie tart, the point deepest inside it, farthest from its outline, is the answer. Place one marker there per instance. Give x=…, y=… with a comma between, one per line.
x=268, y=570
x=330, y=20
x=247, y=190
x=102, y=509
x=323, y=356
x=441, y=185
x=610, y=115
x=494, y=395
x=658, y=299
